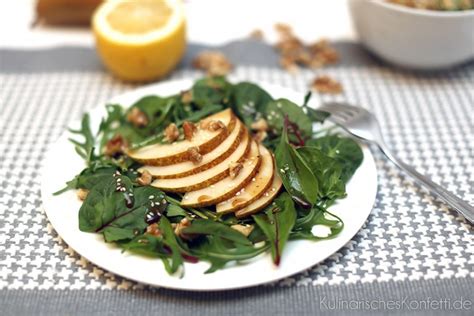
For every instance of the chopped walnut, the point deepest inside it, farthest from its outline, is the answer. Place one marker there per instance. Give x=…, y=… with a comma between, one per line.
x=260, y=136
x=171, y=132
x=154, y=230
x=289, y=65
x=234, y=169
x=189, y=129
x=294, y=52
x=213, y=62
x=116, y=146
x=145, y=178
x=137, y=117
x=325, y=84
x=82, y=194
x=256, y=34
x=260, y=125
x=185, y=222
x=212, y=125
x=186, y=96
x=283, y=28
x=194, y=155
x=243, y=229
x=216, y=125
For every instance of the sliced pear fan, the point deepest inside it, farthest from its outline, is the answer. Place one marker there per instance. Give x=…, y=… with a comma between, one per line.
x=209, y=160
x=206, y=177
x=263, y=201
x=227, y=187
x=204, y=139
x=256, y=188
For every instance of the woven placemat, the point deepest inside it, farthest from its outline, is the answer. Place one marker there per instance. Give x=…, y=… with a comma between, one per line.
x=412, y=250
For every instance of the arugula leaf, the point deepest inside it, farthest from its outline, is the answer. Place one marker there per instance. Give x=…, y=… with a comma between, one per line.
x=248, y=100
x=316, y=216
x=145, y=244
x=276, y=223
x=85, y=149
x=208, y=227
x=343, y=149
x=219, y=251
x=297, y=177
x=171, y=241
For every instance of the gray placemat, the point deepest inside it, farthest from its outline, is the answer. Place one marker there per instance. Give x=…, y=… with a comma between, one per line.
x=412, y=250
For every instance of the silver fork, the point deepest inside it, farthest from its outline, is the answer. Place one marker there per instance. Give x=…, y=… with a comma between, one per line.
x=364, y=125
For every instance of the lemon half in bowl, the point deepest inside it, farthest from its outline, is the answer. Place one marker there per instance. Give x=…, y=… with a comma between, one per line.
x=140, y=40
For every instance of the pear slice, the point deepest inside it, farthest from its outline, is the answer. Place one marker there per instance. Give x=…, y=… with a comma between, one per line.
x=256, y=188
x=209, y=160
x=227, y=187
x=207, y=177
x=204, y=139
x=263, y=201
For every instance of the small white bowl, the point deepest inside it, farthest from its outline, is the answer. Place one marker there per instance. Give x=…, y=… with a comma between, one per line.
x=414, y=38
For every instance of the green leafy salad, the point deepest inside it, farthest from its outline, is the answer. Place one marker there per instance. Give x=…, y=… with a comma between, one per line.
x=221, y=173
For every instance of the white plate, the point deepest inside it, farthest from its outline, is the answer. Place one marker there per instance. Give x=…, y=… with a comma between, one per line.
x=62, y=164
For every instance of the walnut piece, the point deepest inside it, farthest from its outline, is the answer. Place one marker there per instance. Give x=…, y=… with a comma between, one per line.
x=213, y=62
x=216, y=125
x=293, y=52
x=185, y=222
x=256, y=34
x=189, y=129
x=243, y=229
x=259, y=125
x=260, y=136
x=194, y=155
x=137, y=117
x=234, y=169
x=171, y=132
x=82, y=194
x=154, y=230
x=116, y=146
x=326, y=84
x=145, y=178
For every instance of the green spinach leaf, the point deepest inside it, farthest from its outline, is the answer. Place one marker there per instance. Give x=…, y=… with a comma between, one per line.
x=296, y=175
x=248, y=100
x=343, y=149
x=277, y=223
x=327, y=171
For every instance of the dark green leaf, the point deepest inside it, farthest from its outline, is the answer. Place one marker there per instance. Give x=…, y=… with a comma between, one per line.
x=275, y=111
x=296, y=175
x=172, y=243
x=208, y=91
x=209, y=227
x=106, y=211
x=316, y=216
x=328, y=172
x=345, y=150
x=248, y=99
x=277, y=223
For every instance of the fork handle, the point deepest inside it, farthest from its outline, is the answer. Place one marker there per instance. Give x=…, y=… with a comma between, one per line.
x=452, y=200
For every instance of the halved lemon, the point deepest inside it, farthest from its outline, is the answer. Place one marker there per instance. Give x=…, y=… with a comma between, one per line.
x=140, y=40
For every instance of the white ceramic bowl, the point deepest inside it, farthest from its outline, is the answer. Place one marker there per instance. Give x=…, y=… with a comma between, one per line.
x=414, y=38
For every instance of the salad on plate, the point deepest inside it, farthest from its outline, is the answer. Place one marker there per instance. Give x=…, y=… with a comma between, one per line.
x=220, y=173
